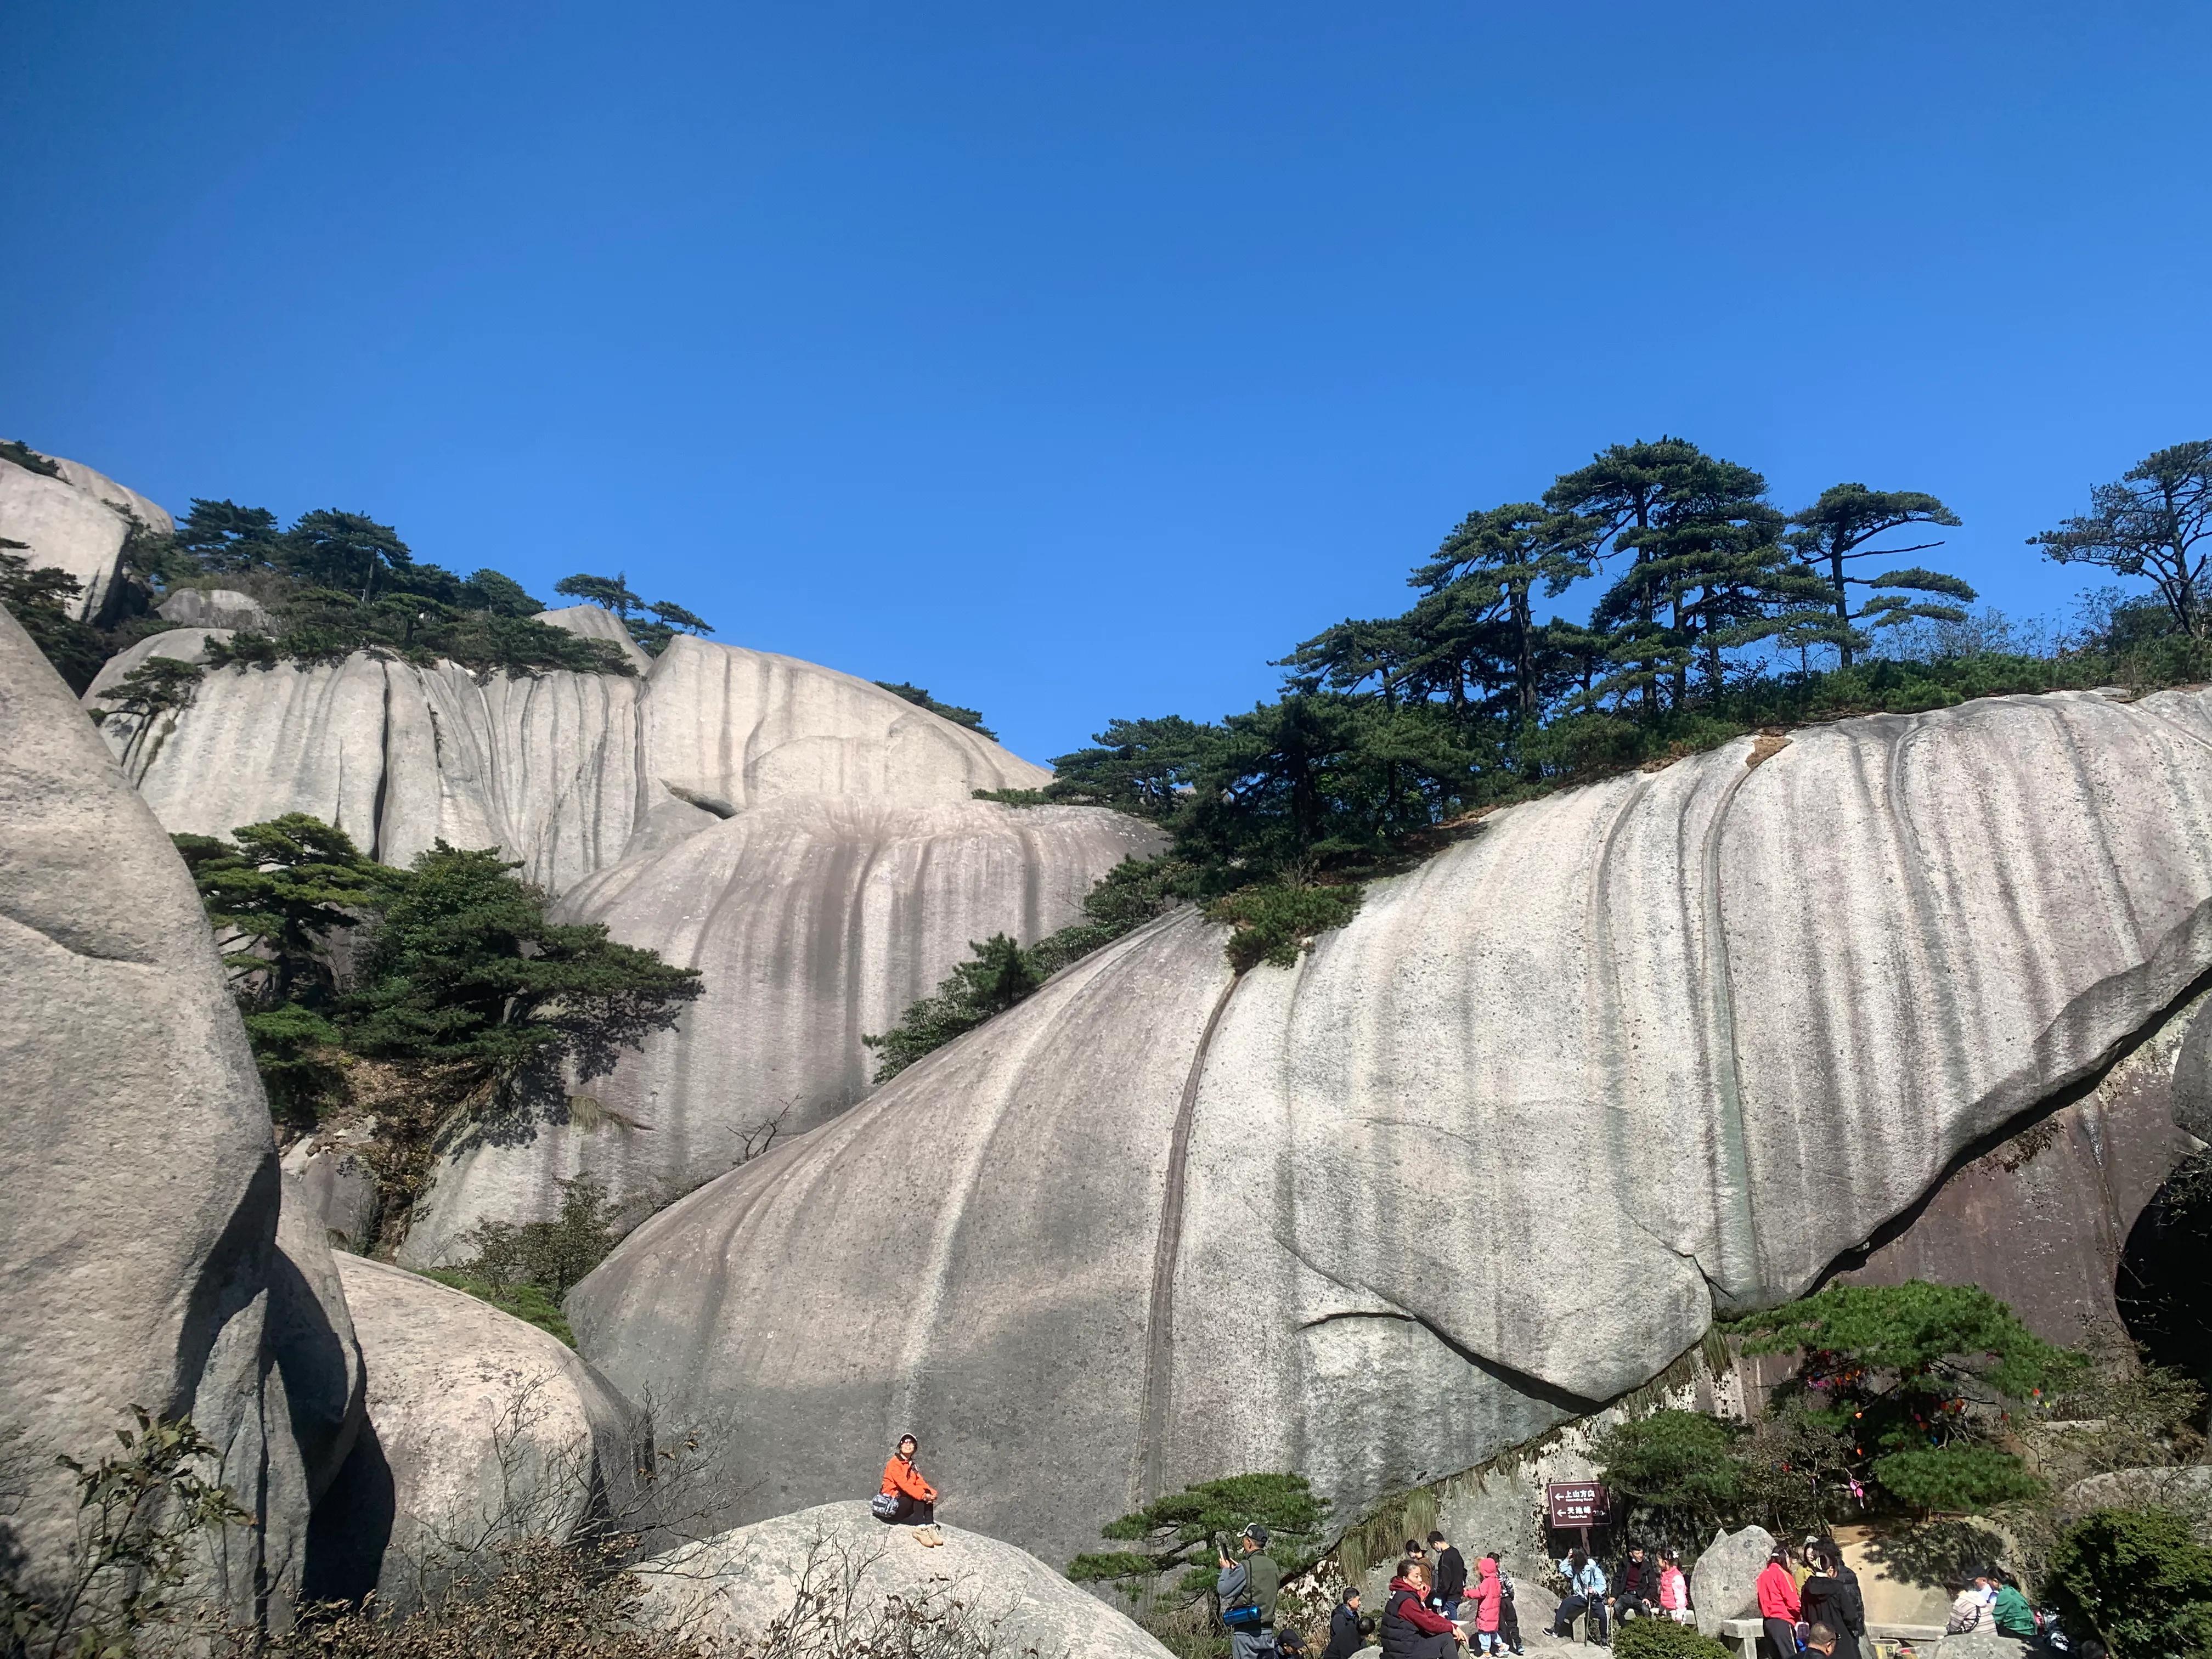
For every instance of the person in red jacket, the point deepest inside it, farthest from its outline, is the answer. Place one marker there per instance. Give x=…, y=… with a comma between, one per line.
x=916, y=1499
x=1489, y=1602
x=1778, y=1607
x=1411, y=1629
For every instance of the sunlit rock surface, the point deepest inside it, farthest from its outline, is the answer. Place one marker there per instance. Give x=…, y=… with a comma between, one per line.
x=1625, y=1056
x=815, y=920
x=138, y=1181
x=77, y=522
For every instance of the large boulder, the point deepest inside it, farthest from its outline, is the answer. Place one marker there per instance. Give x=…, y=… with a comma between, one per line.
x=1624, y=1056
x=560, y=769
x=213, y=607
x=396, y=756
x=2186, y=1488
x=312, y=1336
x=75, y=519
x=330, y=1185
x=1724, y=1582
x=814, y=922
x=139, y=1179
x=481, y=1430
x=837, y=1564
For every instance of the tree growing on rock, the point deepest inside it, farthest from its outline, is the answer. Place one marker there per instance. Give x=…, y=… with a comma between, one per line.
x=1834, y=531
x=2156, y=521
x=1177, y=1538
x=1924, y=1378
x=466, y=969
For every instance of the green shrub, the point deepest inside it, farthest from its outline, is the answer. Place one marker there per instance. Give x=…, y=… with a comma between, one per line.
x=970, y=718
x=2138, y=1577
x=27, y=458
x=1273, y=923
x=527, y=1303
x=1662, y=1639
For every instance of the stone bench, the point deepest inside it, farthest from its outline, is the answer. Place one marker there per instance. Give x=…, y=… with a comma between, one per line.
x=1743, y=1634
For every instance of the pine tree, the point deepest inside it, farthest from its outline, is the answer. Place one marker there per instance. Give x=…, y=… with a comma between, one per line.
x=1835, y=531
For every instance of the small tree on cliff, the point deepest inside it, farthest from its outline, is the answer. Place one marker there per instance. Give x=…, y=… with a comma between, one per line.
x=1182, y=1534
x=1923, y=1378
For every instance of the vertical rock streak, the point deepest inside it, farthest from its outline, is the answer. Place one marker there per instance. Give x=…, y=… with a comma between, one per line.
x=1160, y=1321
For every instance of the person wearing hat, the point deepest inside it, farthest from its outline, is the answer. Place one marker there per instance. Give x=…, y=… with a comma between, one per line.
x=1252, y=1581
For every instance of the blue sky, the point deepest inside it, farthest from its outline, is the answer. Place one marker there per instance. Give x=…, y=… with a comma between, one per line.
x=1075, y=361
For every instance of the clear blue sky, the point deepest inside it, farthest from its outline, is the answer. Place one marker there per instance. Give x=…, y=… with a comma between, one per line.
x=1074, y=360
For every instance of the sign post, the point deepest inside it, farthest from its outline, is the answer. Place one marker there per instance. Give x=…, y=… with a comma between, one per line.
x=1576, y=1506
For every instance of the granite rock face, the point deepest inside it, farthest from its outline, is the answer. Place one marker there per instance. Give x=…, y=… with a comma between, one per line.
x=312, y=1337
x=77, y=522
x=815, y=920
x=1624, y=1056
x=560, y=769
x=480, y=1429
x=1724, y=1584
x=138, y=1178
x=729, y=1590
x=2041, y=1221
x=213, y=607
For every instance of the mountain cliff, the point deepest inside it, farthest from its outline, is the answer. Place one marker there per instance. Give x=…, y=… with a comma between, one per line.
x=1487, y=1156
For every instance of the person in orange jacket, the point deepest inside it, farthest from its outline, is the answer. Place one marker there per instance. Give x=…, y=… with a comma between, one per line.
x=915, y=1499
x=1777, y=1606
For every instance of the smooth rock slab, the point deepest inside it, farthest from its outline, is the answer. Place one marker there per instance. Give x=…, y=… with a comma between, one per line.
x=138, y=1182
x=561, y=770
x=1625, y=1056
x=729, y=1590
x=213, y=607
x=481, y=1428
x=77, y=522
x=814, y=922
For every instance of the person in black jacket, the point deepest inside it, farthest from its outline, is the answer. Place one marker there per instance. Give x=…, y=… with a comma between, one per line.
x=1344, y=1639
x=1448, y=1568
x=1830, y=1597
x=1636, y=1595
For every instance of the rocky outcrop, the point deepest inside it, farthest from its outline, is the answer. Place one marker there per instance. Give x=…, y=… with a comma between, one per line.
x=213, y=607
x=592, y=621
x=481, y=1428
x=815, y=920
x=312, y=1337
x=560, y=769
x=1503, y=1146
x=2042, y=1219
x=77, y=522
x=138, y=1180
x=329, y=1186
x=837, y=1564
x=1725, y=1583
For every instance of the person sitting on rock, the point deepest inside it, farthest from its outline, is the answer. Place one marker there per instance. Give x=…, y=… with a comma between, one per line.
x=1585, y=1595
x=1638, y=1596
x=2010, y=1612
x=1411, y=1628
x=1252, y=1582
x=915, y=1499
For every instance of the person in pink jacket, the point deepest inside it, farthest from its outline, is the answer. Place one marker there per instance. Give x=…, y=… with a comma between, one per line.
x=1778, y=1607
x=1489, y=1598
x=1673, y=1588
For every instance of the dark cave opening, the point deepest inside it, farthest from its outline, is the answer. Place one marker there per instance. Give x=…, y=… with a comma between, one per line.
x=2164, y=1287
